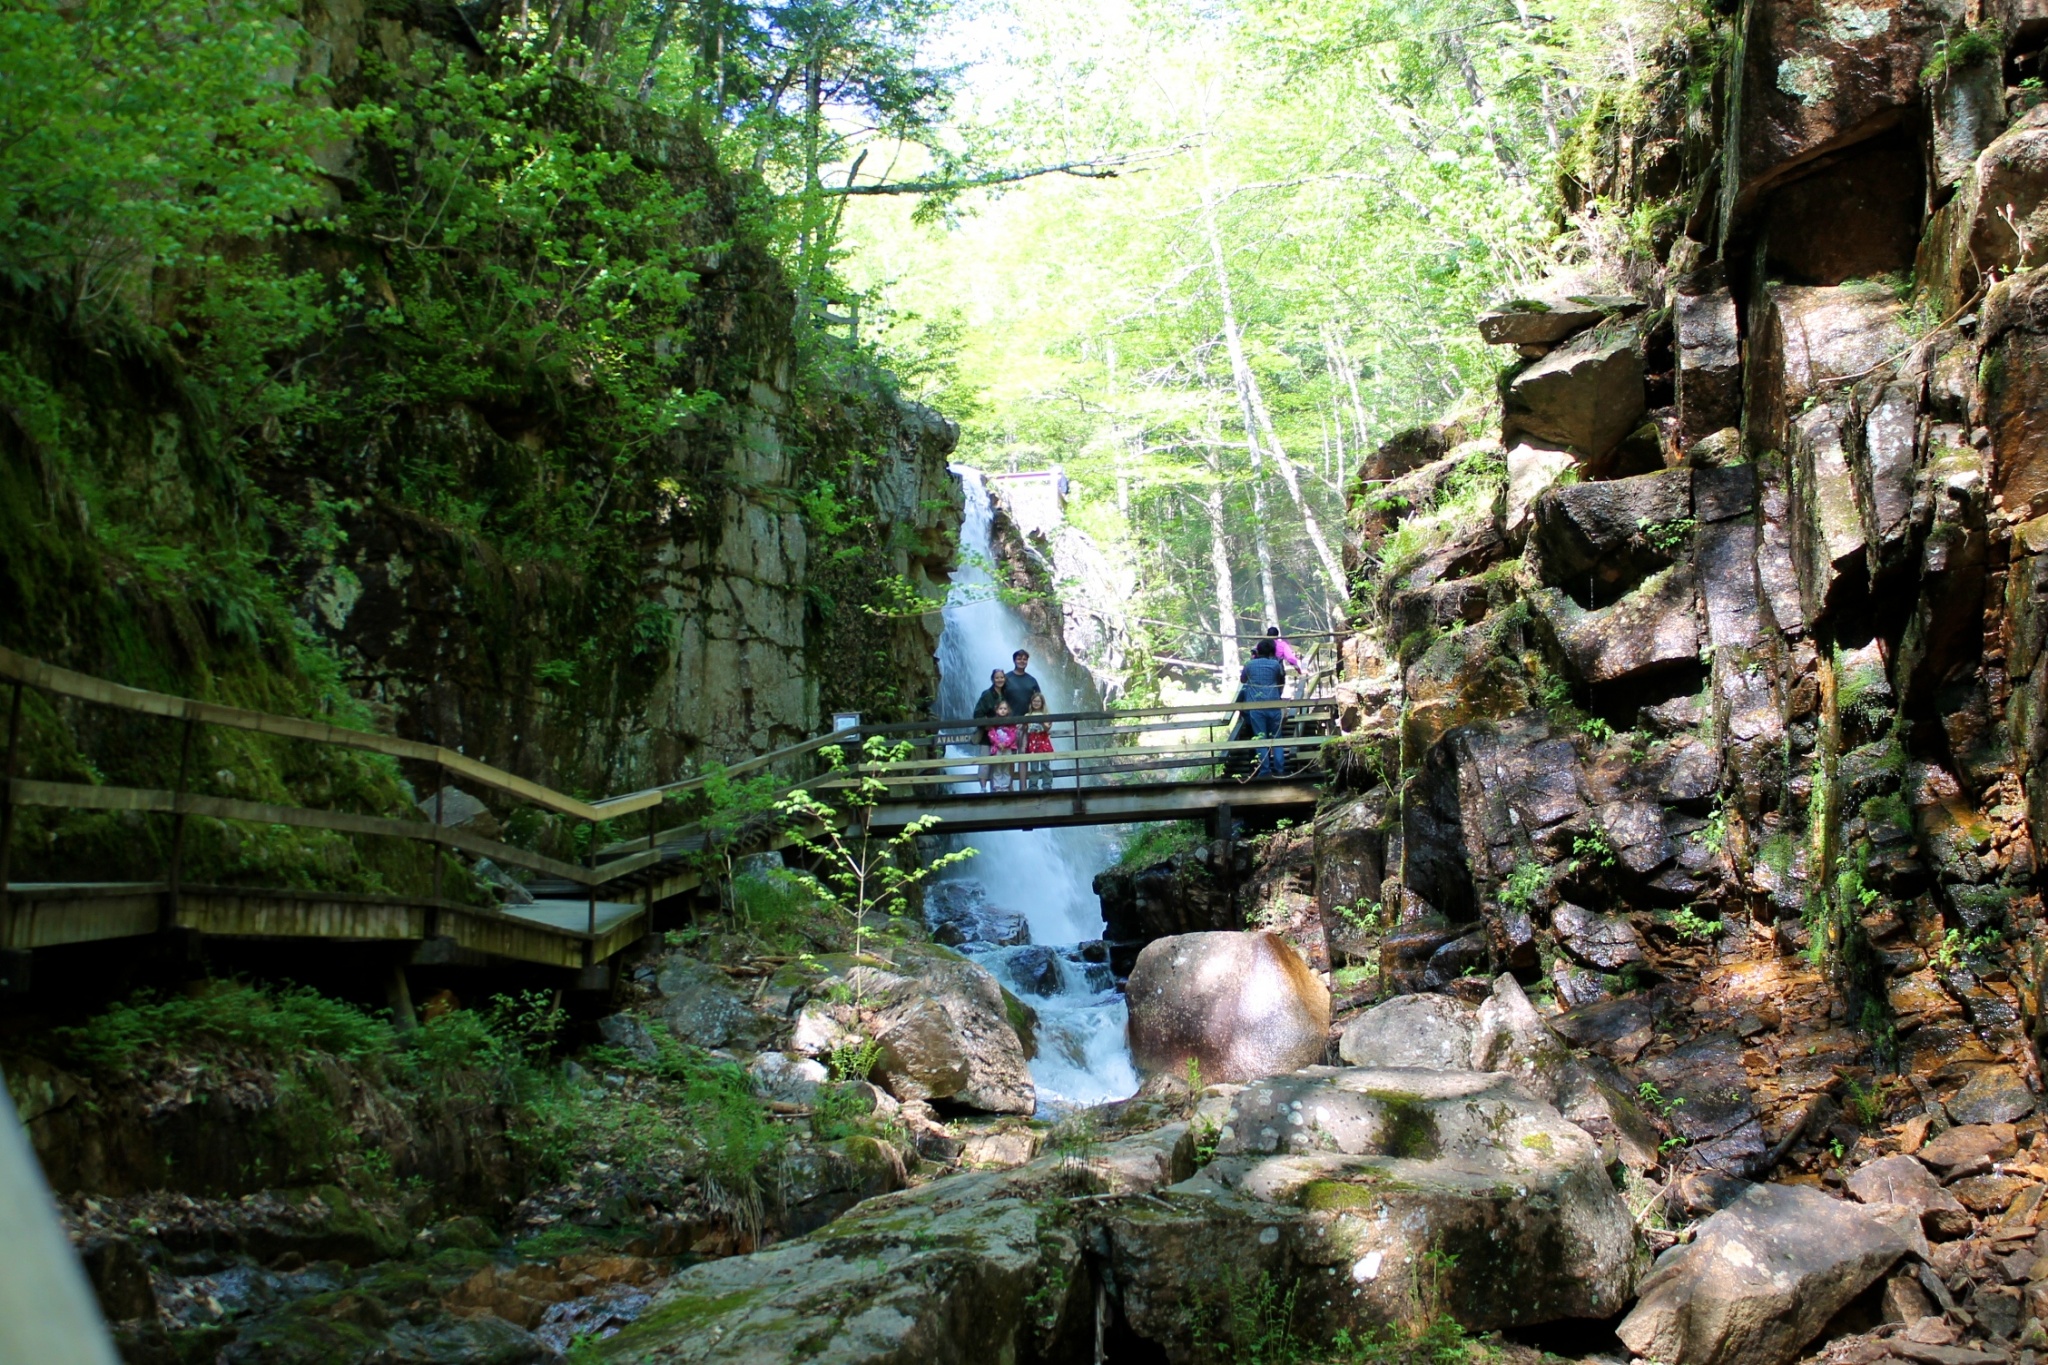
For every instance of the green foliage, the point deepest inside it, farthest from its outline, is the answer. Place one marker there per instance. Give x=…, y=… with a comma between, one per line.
x=1964, y=47
x=1593, y=848
x=280, y=1021
x=854, y=1061
x=1365, y=915
x=1691, y=927
x=1596, y=729
x=1667, y=537
x=860, y=875
x=1865, y=1104
x=1158, y=842
x=1525, y=886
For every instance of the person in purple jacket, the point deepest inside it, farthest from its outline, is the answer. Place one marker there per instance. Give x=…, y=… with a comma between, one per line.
x=1283, y=651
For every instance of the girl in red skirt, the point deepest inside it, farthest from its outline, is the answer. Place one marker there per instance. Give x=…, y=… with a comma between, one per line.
x=1037, y=740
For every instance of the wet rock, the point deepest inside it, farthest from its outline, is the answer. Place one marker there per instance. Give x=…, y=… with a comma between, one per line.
x=1962, y=1146
x=1608, y=942
x=959, y=912
x=1902, y=1181
x=1350, y=857
x=1244, y=1005
x=979, y=1267
x=1405, y=951
x=1034, y=970
x=1544, y=322
x=1428, y=1031
x=1585, y=395
x=704, y=1010
x=1654, y=627
x=1608, y=1024
x=1995, y=1094
x=1356, y=1174
x=1593, y=533
x=1726, y=562
x=948, y=1030
x=1577, y=986
x=629, y=1031
x=1763, y=1276
x=1461, y=957
x=1712, y=1105
x=1709, y=364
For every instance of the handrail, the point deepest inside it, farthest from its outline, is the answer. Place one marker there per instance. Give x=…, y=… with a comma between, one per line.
x=64, y=682
x=640, y=853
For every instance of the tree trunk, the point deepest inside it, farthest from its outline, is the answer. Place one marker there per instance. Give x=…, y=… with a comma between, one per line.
x=1219, y=564
x=1240, y=374
x=1470, y=73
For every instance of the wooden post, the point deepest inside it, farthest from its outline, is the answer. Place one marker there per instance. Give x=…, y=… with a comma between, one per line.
x=440, y=785
x=590, y=862
x=7, y=787
x=175, y=875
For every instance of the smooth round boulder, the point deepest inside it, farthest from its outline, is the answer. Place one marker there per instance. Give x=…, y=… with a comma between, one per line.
x=1242, y=1005
x=1433, y=1032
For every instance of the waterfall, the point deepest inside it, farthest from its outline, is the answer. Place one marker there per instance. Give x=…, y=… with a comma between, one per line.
x=1045, y=876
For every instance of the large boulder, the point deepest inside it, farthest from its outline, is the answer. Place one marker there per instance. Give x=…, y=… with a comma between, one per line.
x=1241, y=1005
x=702, y=1008
x=947, y=1029
x=1905, y=1183
x=1403, y=1191
x=1585, y=395
x=1597, y=541
x=1537, y=322
x=1808, y=337
x=1433, y=1032
x=1654, y=627
x=982, y=1267
x=1709, y=364
x=1763, y=1276
x=2015, y=389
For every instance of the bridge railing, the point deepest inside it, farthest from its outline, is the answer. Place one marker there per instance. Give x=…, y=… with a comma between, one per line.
x=1093, y=749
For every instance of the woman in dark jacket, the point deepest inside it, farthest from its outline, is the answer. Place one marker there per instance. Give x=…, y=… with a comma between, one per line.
x=1264, y=677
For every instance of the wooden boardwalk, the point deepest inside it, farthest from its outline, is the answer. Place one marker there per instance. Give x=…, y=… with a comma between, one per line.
x=1112, y=767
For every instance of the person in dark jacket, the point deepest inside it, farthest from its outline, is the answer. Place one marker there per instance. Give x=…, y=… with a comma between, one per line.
x=985, y=704
x=1264, y=678
x=1021, y=687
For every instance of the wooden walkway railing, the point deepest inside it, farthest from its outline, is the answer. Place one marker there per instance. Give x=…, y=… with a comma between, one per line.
x=1099, y=750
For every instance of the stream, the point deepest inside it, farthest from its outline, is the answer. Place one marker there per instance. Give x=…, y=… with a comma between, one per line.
x=1030, y=885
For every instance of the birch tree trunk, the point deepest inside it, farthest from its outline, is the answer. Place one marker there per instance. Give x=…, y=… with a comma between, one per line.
x=1239, y=372
x=1259, y=423
x=1219, y=564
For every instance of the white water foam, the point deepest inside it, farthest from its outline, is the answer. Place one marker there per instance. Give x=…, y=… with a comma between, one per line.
x=1045, y=875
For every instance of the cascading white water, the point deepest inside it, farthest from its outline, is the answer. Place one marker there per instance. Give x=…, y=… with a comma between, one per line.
x=1043, y=875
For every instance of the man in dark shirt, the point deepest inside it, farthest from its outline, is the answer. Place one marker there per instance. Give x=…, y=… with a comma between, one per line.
x=1263, y=677
x=1021, y=687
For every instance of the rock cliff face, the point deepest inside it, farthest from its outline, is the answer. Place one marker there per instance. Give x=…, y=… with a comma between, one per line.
x=1074, y=597
x=492, y=564
x=1719, y=723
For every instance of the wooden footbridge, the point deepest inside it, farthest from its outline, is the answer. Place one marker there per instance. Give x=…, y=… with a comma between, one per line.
x=1110, y=767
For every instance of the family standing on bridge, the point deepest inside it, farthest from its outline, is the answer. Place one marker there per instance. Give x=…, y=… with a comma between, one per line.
x=1011, y=702
x=1014, y=703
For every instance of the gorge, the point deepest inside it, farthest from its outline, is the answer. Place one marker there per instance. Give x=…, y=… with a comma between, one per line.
x=532, y=434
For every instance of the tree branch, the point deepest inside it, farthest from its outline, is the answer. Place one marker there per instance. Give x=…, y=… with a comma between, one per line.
x=1094, y=168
